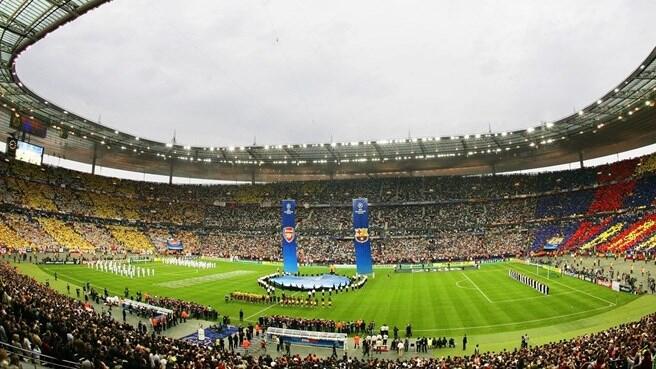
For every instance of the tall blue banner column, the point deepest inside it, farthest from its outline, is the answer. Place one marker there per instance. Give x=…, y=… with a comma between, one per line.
x=361, y=241
x=288, y=217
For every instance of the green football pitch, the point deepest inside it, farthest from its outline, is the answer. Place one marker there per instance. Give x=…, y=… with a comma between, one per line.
x=484, y=302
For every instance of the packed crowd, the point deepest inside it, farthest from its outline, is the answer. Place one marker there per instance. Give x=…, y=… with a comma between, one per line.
x=42, y=321
x=450, y=218
x=183, y=309
x=318, y=325
x=57, y=189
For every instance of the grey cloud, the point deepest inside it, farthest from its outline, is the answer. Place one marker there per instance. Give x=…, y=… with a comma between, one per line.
x=222, y=72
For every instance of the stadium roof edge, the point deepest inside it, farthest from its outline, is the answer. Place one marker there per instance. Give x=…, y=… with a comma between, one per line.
x=623, y=119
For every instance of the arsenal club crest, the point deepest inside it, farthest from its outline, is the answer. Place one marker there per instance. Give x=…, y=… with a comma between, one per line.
x=288, y=234
x=362, y=235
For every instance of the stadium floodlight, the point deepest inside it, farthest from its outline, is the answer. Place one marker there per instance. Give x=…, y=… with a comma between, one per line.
x=168, y=144
x=599, y=102
x=550, y=124
x=530, y=129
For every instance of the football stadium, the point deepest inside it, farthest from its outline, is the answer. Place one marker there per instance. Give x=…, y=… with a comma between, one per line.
x=481, y=248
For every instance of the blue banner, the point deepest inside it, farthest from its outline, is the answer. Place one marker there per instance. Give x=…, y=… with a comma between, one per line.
x=174, y=244
x=288, y=217
x=361, y=241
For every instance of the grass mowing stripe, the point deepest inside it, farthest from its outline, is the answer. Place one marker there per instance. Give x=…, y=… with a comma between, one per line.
x=427, y=300
x=515, y=323
x=204, y=279
x=478, y=288
x=572, y=288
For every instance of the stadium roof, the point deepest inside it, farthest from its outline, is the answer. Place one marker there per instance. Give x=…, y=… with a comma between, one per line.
x=622, y=119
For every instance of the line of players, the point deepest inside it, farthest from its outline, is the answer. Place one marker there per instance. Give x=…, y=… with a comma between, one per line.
x=540, y=287
x=189, y=263
x=122, y=269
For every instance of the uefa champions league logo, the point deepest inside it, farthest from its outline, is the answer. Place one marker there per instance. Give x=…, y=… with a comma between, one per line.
x=289, y=209
x=360, y=208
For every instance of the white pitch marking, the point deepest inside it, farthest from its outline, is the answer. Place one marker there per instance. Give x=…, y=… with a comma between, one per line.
x=180, y=283
x=464, y=287
x=513, y=323
x=267, y=308
x=535, y=297
x=478, y=288
x=610, y=303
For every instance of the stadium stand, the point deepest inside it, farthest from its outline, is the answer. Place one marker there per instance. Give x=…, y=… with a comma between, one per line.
x=603, y=209
x=37, y=319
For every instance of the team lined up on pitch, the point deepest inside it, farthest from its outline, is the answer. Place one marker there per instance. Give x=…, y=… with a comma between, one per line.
x=188, y=263
x=539, y=286
x=122, y=269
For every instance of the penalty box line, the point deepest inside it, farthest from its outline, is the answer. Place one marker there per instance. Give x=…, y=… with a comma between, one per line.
x=610, y=303
x=518, y=298
x=478, y=288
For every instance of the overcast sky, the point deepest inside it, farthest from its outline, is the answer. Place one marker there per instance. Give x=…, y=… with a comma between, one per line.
x=221, y=72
